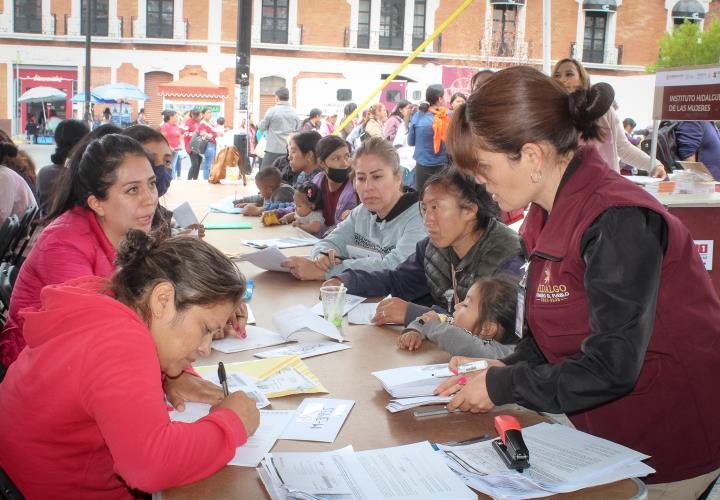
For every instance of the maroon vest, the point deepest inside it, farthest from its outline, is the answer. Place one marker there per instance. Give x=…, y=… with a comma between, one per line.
x=673, y=412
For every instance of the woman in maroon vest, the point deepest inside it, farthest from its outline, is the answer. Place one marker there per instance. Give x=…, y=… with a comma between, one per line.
x=621, y=321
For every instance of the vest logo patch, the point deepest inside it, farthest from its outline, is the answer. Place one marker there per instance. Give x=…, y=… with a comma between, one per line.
x=547, y=292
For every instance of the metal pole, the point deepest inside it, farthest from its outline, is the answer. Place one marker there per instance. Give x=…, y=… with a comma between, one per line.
x=546, y=36
x=653, y=146
x=242, y=81
x=88, y=67
x=18, y=126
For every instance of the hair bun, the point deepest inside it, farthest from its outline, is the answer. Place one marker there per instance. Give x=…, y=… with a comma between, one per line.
x=587, y=106
x=134, y=248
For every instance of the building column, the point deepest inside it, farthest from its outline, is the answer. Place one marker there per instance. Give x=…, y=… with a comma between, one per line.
x=611, y=52
x=179, y=26
x=113, y=21
x=139, y=24
x=431, y=6
x=580, y=33
x=48, y=27
x=375, y=24
x=408, y=25
x=214, y=26
x=353, y=28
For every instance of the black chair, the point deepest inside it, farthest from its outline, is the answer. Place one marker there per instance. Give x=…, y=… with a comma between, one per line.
x=8, y=490
x=8, y=275
x=24, y=235
x=8, y=234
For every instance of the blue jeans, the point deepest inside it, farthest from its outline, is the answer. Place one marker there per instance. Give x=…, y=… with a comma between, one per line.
x=176, y=164
x=208, y=159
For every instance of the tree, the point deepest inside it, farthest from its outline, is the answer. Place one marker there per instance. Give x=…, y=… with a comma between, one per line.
x=687, y=45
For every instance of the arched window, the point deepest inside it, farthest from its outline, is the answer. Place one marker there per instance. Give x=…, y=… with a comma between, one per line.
x=687, y=10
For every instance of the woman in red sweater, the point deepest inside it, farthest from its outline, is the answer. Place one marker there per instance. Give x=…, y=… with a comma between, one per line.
x=84, y=414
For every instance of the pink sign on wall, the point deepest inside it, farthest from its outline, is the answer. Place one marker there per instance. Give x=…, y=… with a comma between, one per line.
x=456, y=79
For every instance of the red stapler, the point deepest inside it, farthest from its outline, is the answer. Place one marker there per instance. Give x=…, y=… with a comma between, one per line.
x=511, y=446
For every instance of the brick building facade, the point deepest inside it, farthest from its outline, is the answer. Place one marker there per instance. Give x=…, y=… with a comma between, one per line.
x=152, y=42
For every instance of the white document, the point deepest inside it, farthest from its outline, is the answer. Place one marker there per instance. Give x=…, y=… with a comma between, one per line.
x=318, y=419
x=269, y=258
x=410, y=381
x=304, y=349
x=363, y=314
x=315, y=473
x=226, y=206
x=272, y=423
x=251, y=316
x=403, y=404
x=351, y=302
x=355, y=252
x=290, y=242
x=184, y=215
x=293, y=319
x=287, y=379
x=240, y=382
x=256, y=337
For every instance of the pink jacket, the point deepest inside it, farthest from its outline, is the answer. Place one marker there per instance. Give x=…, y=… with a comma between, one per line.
x=83, y=406
x=73, y=245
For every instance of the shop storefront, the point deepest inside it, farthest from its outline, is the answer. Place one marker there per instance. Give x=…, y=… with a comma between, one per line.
x=43, y=76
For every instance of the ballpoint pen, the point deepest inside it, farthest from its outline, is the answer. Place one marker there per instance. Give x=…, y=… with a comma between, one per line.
x=464, y=368
x=222, y=376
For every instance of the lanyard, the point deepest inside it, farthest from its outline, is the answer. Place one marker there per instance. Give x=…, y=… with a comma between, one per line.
x=522, y=292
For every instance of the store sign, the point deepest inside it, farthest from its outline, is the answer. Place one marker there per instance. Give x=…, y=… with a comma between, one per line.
x=688, y=94
x=705, y=249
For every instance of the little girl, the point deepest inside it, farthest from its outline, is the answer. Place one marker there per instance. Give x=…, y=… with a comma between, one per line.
x=483, y=325
x=308, y=215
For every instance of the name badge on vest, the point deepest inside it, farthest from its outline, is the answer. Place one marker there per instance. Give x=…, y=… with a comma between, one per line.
x=522, y=292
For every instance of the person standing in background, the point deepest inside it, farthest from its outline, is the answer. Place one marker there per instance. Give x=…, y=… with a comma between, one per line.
x=347, y=111
x=699, y=141
x=172, y=133
x=427, y=133
x=312, y=122
x=191, y=125
x=207, y=130
x=279, y=122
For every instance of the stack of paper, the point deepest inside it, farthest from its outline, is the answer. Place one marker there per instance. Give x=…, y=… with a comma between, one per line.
x=274, y=377
x=272, y=424
x=225, y=205
x=410, y=381
x=363, y=314
x=562, y=459
x=403, y=404
x=269, y=259
x=296, y=318
x=411, y=472
x=290, y=242
x=304, y=349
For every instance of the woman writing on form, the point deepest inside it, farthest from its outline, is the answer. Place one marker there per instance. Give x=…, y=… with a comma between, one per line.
x=620, y=318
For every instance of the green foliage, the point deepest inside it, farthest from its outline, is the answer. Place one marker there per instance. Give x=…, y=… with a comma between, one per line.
x=688, y=46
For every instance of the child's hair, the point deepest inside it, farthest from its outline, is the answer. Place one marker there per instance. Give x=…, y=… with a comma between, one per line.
x=311, y=192
x=498, y=305
x=270, y=176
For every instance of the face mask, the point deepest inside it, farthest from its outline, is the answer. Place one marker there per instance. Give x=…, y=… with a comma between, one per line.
x=163, y=177
x=338, y=175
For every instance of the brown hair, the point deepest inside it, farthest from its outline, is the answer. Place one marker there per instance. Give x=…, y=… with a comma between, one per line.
x=520, y=105
x=584, y=77
x=381, y=148
x=200, y=274
x=20, y=162
x=498, y=305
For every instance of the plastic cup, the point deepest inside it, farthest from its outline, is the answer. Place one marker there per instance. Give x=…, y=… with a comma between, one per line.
x=333, y=302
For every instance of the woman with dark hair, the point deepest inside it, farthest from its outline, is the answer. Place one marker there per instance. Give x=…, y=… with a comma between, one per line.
x=614, y=147
x=465, y=242
x=15, y=195
x=85, y=403
x=108, y=190
x=347, y=111
x=67, y=135
x=396, y=120
x=427, y=133
x=208, y=131
x=21, y=163
x=191, y=125
x=457, y=100
x=302, y=158
x=173, y=135
x=620, y=324
x=338, y=192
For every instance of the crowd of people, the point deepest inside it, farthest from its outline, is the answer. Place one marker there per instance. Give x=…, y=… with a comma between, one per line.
x=599, y=308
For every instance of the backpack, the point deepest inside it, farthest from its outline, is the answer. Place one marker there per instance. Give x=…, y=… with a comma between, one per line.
x=667, y=149
x=198, y=144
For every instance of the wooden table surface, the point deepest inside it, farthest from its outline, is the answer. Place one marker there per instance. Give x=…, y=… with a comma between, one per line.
x=346, y=374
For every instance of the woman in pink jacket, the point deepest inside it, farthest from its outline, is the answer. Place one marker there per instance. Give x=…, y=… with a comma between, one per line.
x=109, y=189
x=84, y=414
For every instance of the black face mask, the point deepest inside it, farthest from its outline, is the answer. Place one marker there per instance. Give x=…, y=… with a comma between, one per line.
x=338, y=175
x=163, y=177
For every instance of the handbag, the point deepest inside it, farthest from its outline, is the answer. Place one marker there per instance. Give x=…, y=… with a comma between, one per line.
x=260, y=147
x=198, y=143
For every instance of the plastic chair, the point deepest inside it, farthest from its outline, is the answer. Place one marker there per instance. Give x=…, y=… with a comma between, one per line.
x=8, y=234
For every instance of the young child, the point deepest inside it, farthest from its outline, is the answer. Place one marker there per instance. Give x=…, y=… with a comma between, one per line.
x=483, y=325
x=308, y=214
x=273, y=193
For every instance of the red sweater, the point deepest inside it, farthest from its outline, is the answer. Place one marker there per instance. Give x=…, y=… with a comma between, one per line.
x=73, y=245
x=83, y=405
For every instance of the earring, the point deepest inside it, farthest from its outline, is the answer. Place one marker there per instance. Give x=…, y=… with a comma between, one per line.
x=536, y=177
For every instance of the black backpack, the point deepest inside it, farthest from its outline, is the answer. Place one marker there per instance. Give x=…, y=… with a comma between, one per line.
x=667, y=149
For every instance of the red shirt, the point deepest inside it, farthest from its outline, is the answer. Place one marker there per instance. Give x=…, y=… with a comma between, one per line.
x=330, y=201
x=208, y=130
x=190, y=128
x=172, y=133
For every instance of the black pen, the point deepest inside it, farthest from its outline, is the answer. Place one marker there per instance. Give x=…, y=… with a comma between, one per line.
x=222, y=376
x=327, y=254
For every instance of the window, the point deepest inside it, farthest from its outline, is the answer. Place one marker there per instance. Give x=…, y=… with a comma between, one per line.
x=687, y=10
x=28, y=16
x=418, y=35
x=344, y=95
x=159, y=19
x=274, y=27
x=392, y=16
x=394, y=95
x=504, y=30
x=99, y=25
x=363, y=36
x=594, y=43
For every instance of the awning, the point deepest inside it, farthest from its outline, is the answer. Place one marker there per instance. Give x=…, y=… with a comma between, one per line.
x=507, y=2
x=688, y=9
x=600, y=5
x=192, y=85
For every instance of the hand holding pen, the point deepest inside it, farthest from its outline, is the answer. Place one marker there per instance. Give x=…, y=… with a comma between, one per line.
x=222, y=377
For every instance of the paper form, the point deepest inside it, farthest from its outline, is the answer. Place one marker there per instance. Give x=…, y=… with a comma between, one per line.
x=355, y=252
x=240, y=382
x=318, y=419
x=269, y=259
x=351, y=301
x=184, y=215
x=287, y=379
x=256, y=337
x=293, y=319
x=305, y=240
x=225, y=205
x=304, y=349
x=363, y=314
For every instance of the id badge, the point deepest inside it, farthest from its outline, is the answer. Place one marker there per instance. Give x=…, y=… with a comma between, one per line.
x=520, y=311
